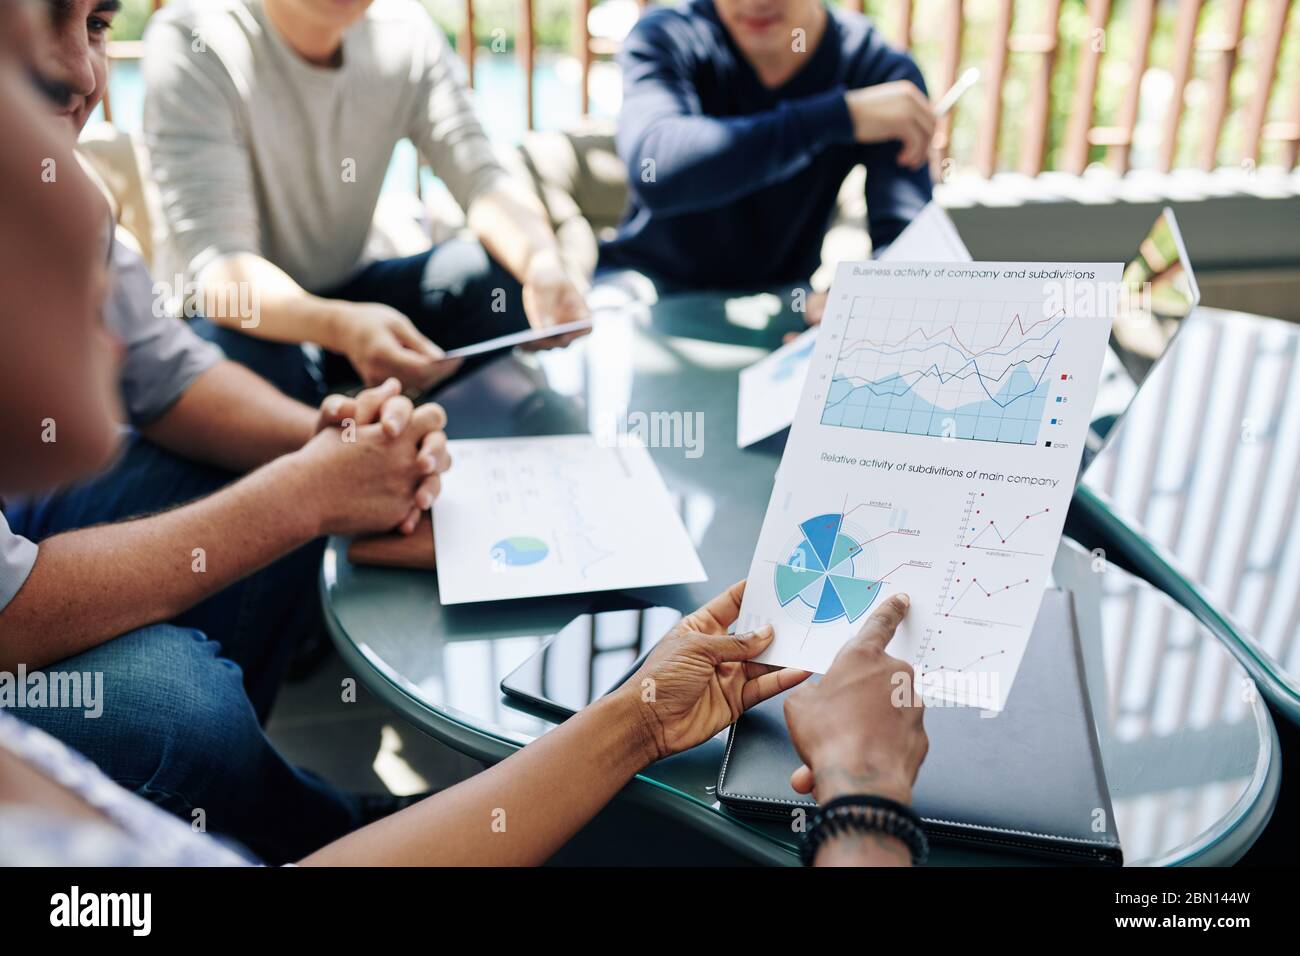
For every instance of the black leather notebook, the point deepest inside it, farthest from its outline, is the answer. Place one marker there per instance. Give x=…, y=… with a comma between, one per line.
x=1028, y=779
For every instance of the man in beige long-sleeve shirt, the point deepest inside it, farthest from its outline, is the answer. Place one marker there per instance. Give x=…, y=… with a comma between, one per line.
x=271, y=125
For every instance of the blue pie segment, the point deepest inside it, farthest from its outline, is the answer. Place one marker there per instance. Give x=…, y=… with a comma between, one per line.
x=829, y=608
x=845, y=549
x=855, y=594
x=821, y=533
x=791, y=580
x=803, y=556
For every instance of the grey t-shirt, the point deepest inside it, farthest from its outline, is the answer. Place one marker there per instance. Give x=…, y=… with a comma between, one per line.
x=163, y=354
x=162, y=359
x=256, y=150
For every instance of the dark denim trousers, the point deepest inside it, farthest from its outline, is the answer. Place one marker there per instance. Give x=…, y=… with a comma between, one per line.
x=455, y=293
x=184, y=701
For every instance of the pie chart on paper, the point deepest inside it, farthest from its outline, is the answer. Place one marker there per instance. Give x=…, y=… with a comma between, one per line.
x=518, y=551
x=819, y=581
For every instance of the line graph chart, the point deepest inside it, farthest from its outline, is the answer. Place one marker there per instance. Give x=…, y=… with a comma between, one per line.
x=1004, y=526
x=983, y=595
x=973, y=370
x=970, y=629
x=965, y=598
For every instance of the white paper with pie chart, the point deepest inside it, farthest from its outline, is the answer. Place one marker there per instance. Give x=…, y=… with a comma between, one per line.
x=556, y=514
x=934, y=452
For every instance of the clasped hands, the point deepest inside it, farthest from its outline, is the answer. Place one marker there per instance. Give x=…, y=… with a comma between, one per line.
x=375, y=462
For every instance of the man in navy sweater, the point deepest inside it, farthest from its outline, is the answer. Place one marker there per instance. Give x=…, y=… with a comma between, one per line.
x=740, y=121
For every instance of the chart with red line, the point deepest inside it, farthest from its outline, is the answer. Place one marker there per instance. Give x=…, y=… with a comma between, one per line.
x=1004, y=523
x=955, y=369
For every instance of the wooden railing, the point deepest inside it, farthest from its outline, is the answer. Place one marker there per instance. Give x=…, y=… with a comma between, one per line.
x=1083, y=137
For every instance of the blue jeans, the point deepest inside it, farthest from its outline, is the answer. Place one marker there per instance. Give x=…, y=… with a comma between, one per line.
x=455, y=293
x=178, y=729
x=185, y=701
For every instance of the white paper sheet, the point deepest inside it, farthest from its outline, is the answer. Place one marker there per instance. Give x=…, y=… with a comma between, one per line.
x=770, y=388
x=934, y=451
x=525, y=517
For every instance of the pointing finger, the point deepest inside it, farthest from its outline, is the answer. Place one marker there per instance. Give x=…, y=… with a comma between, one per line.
x=879, y=628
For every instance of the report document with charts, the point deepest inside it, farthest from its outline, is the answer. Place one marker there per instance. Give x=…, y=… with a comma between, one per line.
x=934, y=452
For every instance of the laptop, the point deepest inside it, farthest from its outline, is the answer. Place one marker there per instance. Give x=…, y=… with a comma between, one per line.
x=1159, y=291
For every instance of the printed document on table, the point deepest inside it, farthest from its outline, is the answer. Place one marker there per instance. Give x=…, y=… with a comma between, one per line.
x=561, y=514
x=770, y=388
x=934, y=452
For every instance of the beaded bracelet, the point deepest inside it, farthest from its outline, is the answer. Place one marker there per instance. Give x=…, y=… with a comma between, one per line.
x=864, y=813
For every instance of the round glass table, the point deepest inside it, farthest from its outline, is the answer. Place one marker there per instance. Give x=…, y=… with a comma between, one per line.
x=1193, y=773
x=1198, y=487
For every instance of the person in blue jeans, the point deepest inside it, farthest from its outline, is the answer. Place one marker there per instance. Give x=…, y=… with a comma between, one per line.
x=455, y=287
x=56, y=808
x=270, y=142
x=185, y=573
